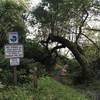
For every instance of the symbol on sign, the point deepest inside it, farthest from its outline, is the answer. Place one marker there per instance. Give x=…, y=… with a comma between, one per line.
x=13, y=39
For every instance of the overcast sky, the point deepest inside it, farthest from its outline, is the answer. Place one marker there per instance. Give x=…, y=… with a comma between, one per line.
x=34, y=2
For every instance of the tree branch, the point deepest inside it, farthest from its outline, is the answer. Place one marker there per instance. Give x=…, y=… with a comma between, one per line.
x=82, y=23
x=93, y=29
x=71, y=46
x=57, y=47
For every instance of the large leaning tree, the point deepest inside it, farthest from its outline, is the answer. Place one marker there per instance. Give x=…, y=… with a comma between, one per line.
x=64, y=22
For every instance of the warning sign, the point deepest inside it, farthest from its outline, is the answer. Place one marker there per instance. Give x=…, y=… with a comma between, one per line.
x=14, y=51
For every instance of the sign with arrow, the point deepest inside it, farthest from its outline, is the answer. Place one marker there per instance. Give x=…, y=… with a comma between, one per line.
x=13, y=37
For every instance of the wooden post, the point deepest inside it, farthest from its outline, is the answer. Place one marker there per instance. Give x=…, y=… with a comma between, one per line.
x=35, y=80
x=15, y=75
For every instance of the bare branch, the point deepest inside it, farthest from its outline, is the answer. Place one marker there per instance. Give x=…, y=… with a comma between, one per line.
x=93, y=29
x=82, y=24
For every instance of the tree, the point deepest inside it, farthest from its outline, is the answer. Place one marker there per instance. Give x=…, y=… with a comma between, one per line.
x=11, y=19
x=38, y=53
x=63, y=22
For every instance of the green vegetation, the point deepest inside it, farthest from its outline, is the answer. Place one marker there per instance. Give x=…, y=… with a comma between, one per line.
x=54, y=25
x=48, y=89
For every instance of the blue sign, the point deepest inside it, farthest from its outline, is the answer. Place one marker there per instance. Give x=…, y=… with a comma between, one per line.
x=13, y=37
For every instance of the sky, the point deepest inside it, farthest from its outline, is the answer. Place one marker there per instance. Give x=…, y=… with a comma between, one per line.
x=34, y=2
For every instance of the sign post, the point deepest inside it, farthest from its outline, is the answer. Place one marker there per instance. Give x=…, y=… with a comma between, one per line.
x=14, y=52
x=15, y=74
x=14, y=62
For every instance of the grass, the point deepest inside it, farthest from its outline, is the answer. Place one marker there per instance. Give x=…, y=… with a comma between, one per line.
x=48, y=89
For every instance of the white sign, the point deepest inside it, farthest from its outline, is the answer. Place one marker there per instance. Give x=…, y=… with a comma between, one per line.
x=14, y=51
x=14, y=62
x=13, y=37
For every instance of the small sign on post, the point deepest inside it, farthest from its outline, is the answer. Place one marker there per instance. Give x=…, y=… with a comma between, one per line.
x=14, y=61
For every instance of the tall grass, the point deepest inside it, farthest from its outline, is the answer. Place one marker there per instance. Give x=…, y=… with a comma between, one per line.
x=48, y=89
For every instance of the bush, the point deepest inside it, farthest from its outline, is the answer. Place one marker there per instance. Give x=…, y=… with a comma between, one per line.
x=75, y=72
x=24, y=70
x=5, y=70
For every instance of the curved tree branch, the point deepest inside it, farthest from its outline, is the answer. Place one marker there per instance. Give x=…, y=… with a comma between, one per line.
x=71, y=46
x=57, y=47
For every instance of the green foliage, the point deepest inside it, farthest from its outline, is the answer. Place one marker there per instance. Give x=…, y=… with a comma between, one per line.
x=4, y=69
x=61, y=12
x=48, y=89
x=39, y=54
x=35, y=56
x=91, y=52
x=16, y=93
x=6, y=72
x=62, y=60
x=11, y=19
x=95, y=85
x=74, y=71
x=24, y=71
x=45, y=15
x=93, y=56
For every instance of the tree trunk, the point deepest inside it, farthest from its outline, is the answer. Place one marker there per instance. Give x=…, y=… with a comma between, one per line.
x=72, y=47
x=76, y=52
